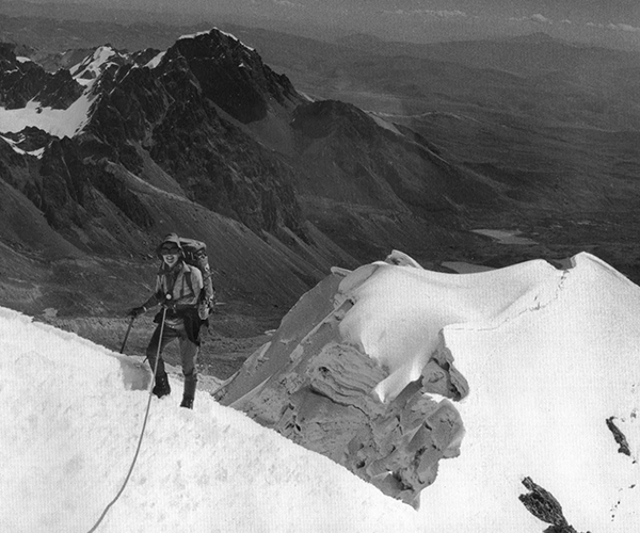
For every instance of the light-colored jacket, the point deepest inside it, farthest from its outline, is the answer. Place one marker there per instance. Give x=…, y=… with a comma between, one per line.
x=184, y=288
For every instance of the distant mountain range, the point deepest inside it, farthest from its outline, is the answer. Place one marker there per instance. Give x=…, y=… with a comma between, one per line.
x=287, y=175
x=612, y=24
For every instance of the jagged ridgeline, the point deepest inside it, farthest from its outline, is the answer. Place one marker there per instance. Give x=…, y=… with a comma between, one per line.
x=102, y=151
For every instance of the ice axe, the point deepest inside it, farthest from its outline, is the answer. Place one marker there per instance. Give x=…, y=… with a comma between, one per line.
x=126, y=335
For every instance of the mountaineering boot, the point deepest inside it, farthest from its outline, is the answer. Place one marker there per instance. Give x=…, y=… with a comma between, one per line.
x=190, y=381
x=162, y=387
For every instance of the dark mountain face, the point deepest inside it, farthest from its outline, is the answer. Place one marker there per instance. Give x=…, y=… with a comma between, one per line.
x=21, y=81
x=208, y=123
x=232, y=75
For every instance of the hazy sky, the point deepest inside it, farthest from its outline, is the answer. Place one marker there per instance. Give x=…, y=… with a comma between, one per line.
x=423, y=20
x=595, y=10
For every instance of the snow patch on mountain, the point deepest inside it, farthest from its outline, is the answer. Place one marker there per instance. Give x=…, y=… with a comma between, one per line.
x=14, y=145
x=91, y=67
x=57, y=122
x=156, y=60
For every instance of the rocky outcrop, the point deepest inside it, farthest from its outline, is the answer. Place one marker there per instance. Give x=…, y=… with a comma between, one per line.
x=316, y=388
x=542, y=504
x=22, y=81
x=619, y=436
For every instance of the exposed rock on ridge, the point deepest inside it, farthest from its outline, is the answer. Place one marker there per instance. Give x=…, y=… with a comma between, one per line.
x=542, y=504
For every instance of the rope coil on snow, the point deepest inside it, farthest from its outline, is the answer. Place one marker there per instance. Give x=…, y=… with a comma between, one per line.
x=144, y=425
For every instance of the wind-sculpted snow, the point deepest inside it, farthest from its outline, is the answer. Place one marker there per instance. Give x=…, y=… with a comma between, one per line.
x=70, y=418
x=536, y=364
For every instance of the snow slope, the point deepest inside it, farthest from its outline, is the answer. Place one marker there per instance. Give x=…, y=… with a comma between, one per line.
x=549, y=356
x=543, y=383
x=70, y=416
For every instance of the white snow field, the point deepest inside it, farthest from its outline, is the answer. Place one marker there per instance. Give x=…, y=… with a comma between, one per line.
x=549, y=356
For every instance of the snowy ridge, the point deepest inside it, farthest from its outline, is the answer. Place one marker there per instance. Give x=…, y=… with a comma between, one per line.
x=70, y=417
x=420, y=303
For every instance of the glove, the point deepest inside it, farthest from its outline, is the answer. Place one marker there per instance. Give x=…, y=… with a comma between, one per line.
x=136, y=311
x=167, y=302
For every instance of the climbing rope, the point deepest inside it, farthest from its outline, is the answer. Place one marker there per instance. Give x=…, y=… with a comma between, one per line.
x=144, y=425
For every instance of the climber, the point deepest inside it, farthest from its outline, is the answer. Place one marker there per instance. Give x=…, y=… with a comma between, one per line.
x=178, y=289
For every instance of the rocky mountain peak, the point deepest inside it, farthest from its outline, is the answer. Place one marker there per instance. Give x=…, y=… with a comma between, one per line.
x=232, y=75
x=97, y=62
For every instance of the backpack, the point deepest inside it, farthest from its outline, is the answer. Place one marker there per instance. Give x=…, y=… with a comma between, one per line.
x=194, y=253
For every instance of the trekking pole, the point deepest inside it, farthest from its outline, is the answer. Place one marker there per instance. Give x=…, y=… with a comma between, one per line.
x=126, y=335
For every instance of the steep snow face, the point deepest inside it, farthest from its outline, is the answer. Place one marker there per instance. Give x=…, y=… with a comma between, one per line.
x=70, y=418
